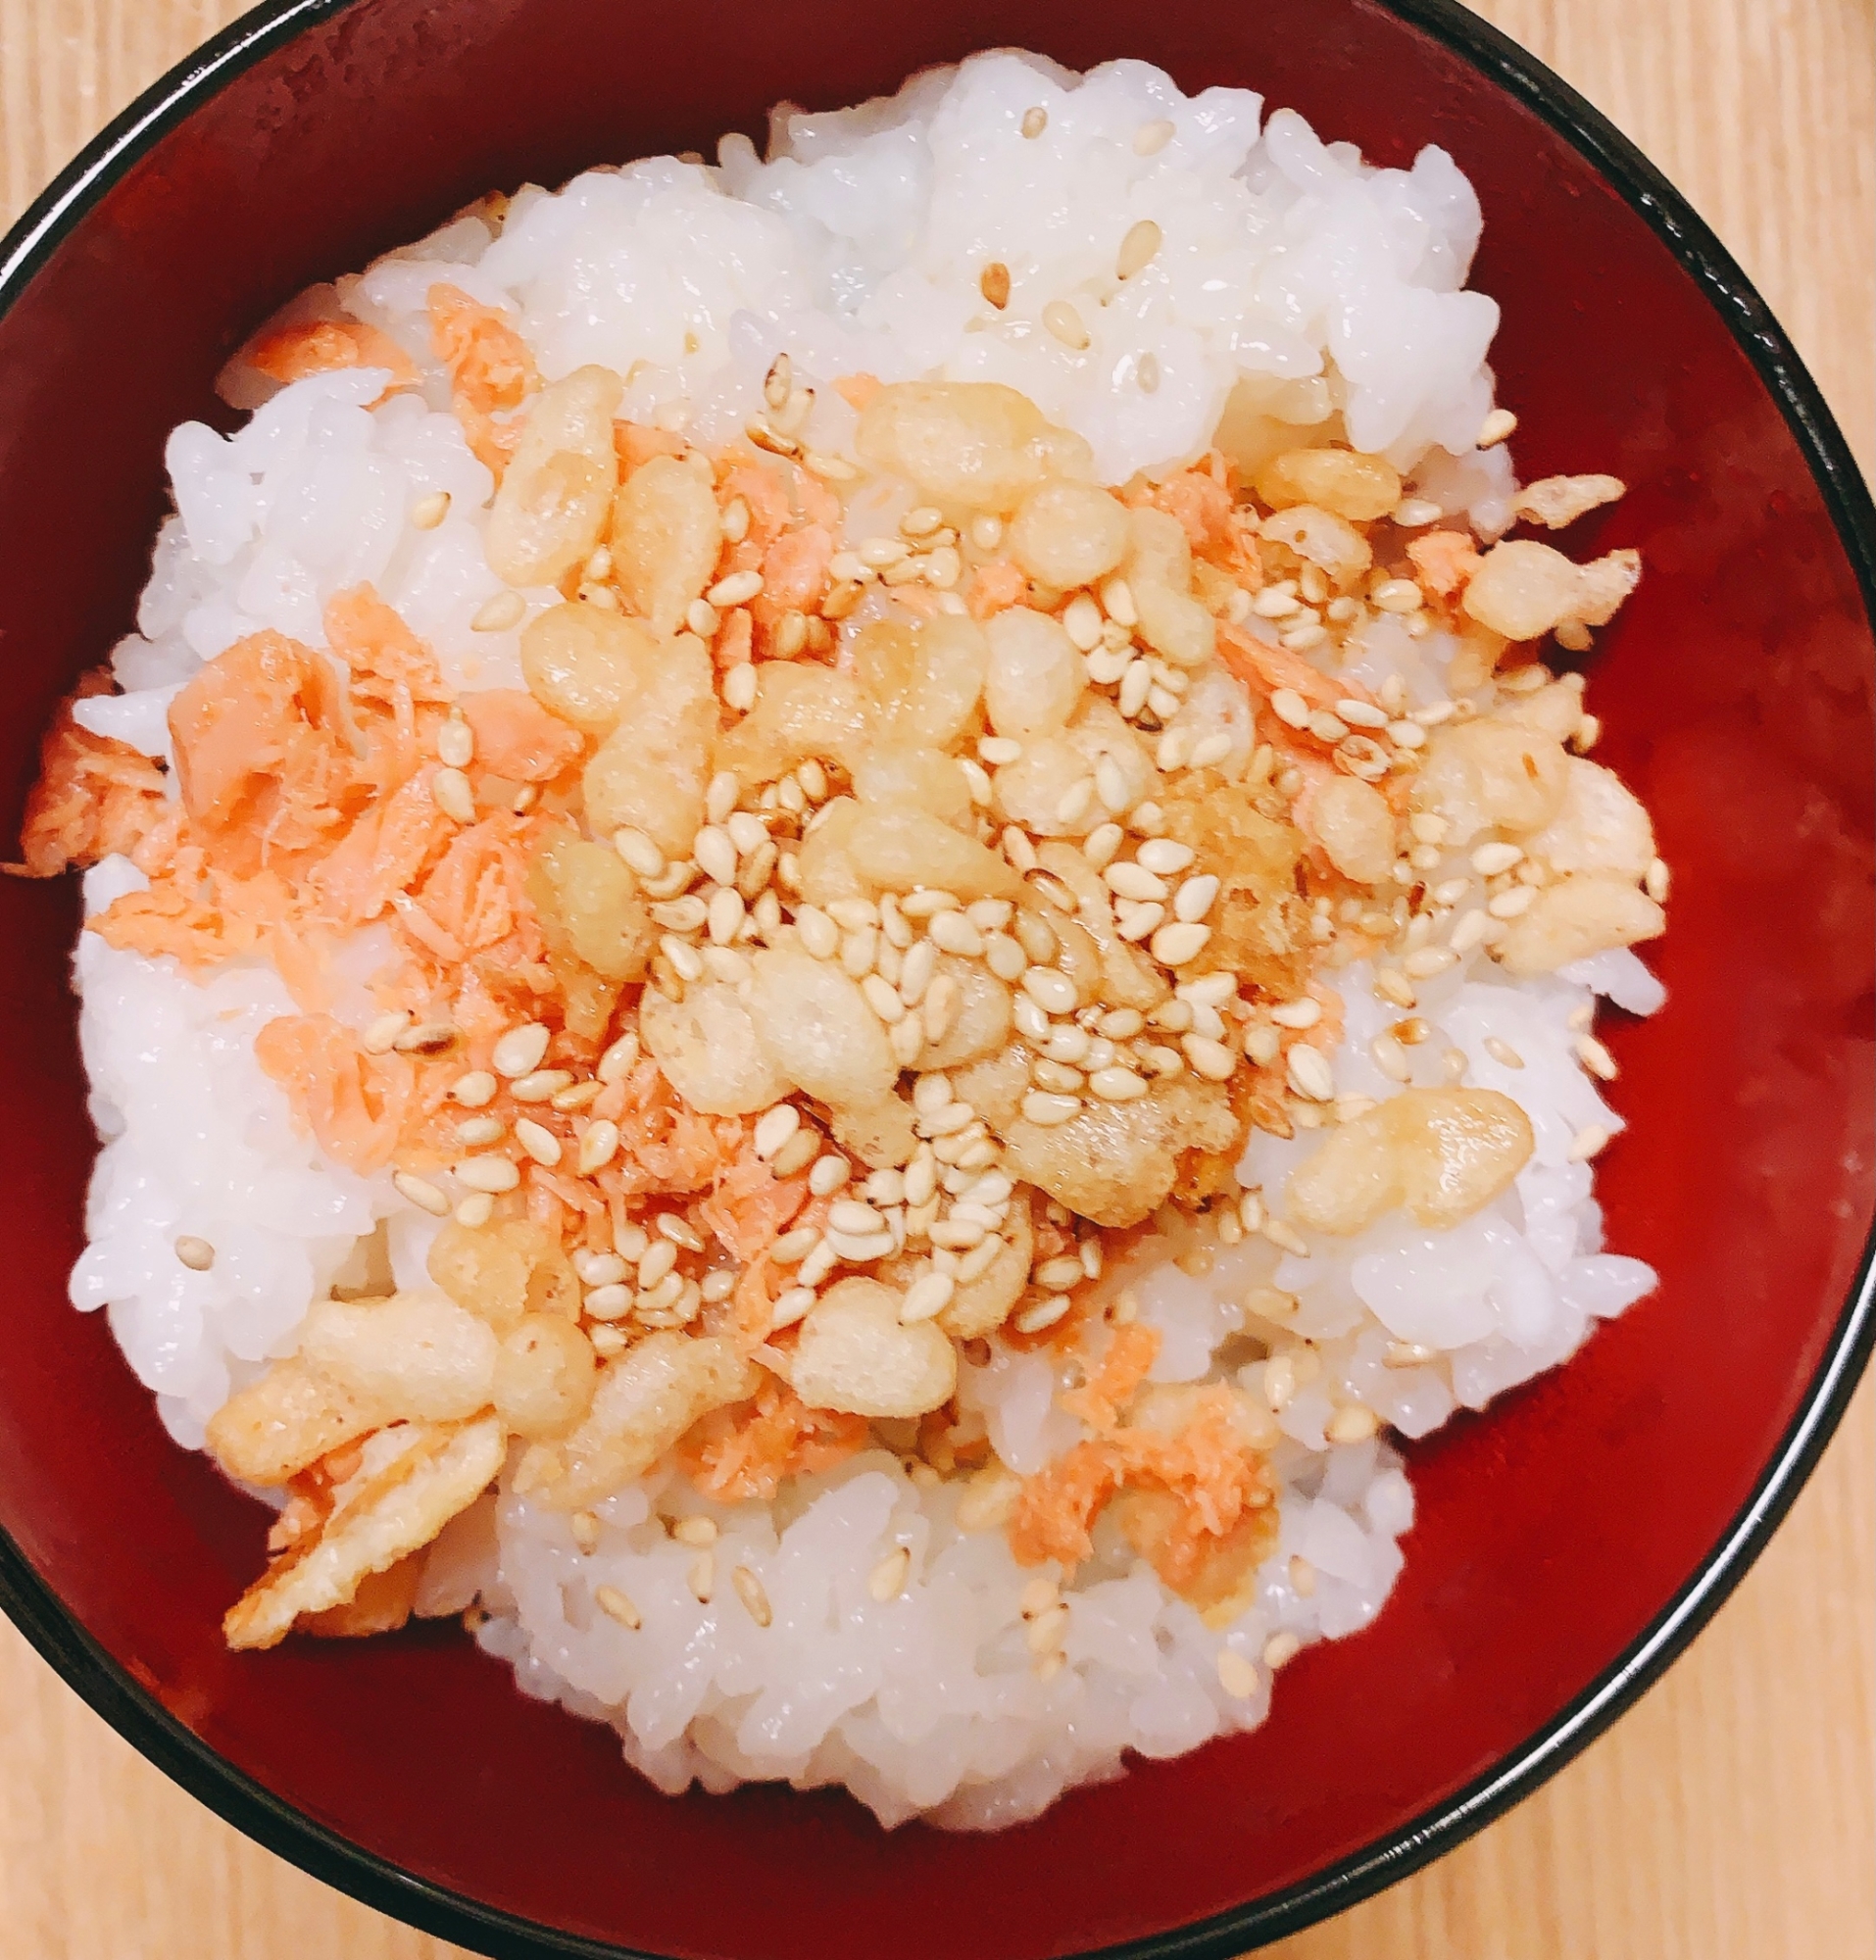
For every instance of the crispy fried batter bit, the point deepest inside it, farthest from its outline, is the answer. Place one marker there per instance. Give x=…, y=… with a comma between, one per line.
x=788, y=992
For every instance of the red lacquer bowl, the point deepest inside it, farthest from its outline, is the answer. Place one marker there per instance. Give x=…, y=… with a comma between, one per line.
x=1569, y=1544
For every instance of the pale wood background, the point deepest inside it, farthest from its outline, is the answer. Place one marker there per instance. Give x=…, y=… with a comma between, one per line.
x=1732, y=1816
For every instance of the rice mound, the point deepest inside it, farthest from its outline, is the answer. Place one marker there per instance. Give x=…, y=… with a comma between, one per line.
x=1293, y=280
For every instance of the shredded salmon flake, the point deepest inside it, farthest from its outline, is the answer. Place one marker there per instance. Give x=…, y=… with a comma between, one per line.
x=1115, y=1384
x=1204, y=1466
x=490, y=368
x=1445, y=559
x=747, y=1453
x=94, y=796
x=327, y=345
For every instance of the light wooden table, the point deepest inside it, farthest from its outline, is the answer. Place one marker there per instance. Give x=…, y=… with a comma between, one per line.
x=1731, y=1814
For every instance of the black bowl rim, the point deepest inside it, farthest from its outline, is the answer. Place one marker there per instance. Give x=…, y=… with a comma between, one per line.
x=238, y=1799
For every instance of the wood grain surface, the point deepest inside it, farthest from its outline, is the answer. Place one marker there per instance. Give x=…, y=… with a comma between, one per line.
x=1731, y=1814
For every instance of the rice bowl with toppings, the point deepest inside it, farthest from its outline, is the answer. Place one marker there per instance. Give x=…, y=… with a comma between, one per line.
x=839, y=913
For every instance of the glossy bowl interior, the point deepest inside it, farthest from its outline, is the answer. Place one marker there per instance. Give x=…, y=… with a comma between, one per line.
x=1566, y=1543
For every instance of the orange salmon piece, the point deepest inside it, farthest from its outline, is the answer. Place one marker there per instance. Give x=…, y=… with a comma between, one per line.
x=748, y=1451
x=1205, y=1468
x=326, y=346
x=749, y=1206
x=352, y=1103
x=517, y=739
x=490, y=369
x=1057, y=1507
x=1115, y=1384
x=94, y=796
x=794, y=572
x=168, y=920
x=261, y=756
x=383, y=853
x=382, y=651
x=856, y=390
x=1264, y=668
x=1445, y=559
x=994, y=587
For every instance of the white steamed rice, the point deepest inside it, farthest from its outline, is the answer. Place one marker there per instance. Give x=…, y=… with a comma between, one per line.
x=1291, y=272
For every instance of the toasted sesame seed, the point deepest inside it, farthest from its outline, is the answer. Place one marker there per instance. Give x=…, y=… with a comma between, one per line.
x=887, y=1578
x=1209, y=1058
x=1178, y=944
x=1045, y=1313
x=611, y=1301
x=199, y=1255
x=1495, y=428
x=861, y=1249
x=737, y=589
x=679, y=1229
x=1134, y=881
x=380, y=1035
x=541, y=1086
x=1596, y=1057
x=597, y=1269
x=1488, y=859
x=1589, y=1141
x=479, y=1130
x=1195, y=898
x=1050, y=989
x=791, y=1306
x=1034, y=121
x=1075, y=801
x=1398, y=595
x=539, y=1143
x=1046, y=1107
x=616, y=1605
x=774, y=1127
x=774, y=441
x=1138, y=248
x=696, y=1531
x=451, y=793
x=702, y=1577
x=1116, y=1084
x=684, y=957
x=726, y=915
x=748, y=1589
x=739, y=687
x=852, y=1216
x=598, y=1146
x=496, y=615
x=926, y=1297
x=657, y=1260
x=490, y=1174
x=1290, y=708
x=1425, y=961
x=1355, y=1423
x=1061, y=320
x=1656, y=879
x=1237, y=1676
x=1309, y=1072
